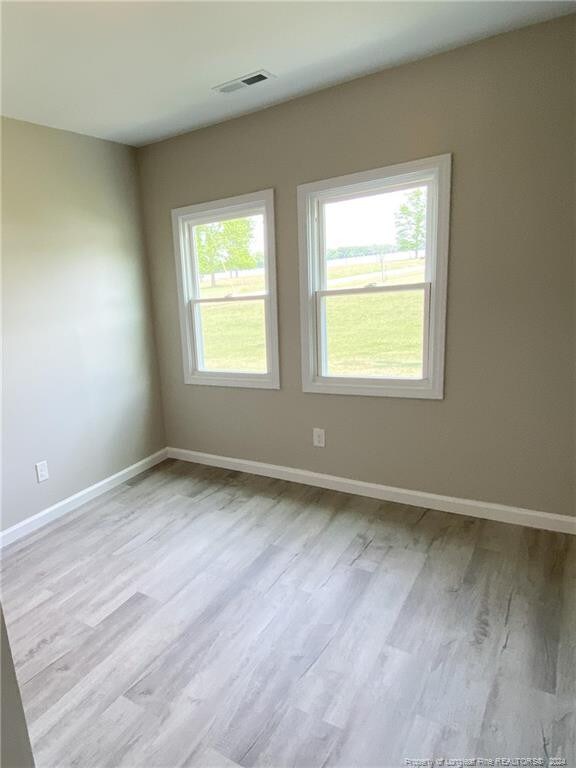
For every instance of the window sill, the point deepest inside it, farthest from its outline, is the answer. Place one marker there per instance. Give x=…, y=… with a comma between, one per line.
x=223, y=380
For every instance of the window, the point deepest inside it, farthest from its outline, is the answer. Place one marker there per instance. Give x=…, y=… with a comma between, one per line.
x=373, y=259
x=227, y=291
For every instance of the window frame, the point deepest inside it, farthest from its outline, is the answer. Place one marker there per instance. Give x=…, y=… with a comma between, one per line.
x=189, y=298
x=433, y=172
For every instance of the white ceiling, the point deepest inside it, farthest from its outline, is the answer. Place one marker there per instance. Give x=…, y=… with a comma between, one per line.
x=136, y=72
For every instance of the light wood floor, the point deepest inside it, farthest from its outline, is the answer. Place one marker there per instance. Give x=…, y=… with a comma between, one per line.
x=200, y=617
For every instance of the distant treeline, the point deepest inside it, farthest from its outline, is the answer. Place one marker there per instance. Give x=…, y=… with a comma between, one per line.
x=353, y=251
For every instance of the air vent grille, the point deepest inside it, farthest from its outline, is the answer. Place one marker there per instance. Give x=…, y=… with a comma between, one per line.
x=243, y=82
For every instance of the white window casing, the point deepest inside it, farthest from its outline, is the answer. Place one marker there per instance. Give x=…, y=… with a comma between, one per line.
x=189, y=294
x=432, y=173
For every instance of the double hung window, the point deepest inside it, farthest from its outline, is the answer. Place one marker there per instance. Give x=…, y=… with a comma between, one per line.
x=373, y=257
x=227, y=291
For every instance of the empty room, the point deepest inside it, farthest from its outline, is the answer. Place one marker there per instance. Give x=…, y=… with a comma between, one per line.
x=288, y=384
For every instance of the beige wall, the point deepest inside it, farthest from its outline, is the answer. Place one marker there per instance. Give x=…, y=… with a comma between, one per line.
x=15, y=749
x=79, y=381
x=505, y=432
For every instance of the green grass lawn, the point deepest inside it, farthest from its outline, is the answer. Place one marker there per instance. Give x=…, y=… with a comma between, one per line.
x=233, y=337
x=375, y=334
x=368, y=335
x=406, y=270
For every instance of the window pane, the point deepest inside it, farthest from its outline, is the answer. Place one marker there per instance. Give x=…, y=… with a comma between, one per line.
x=230, y=257
x=375, y=334
x=376, y=239
x=233, y=336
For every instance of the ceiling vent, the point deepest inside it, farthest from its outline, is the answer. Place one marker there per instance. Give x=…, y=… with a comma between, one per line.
x=243, y=82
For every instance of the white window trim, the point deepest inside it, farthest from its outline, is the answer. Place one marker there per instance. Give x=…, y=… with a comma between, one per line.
x=232, y=207
x=436, y=172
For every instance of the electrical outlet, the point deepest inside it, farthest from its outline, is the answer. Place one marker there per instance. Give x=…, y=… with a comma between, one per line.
x=42, y=471
x=318, y=437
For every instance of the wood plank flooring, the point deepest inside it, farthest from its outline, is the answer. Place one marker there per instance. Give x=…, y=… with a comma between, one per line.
x=201, y=617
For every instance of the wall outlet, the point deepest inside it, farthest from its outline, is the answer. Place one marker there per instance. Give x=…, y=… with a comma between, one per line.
x=42, y=471
x=318, y=437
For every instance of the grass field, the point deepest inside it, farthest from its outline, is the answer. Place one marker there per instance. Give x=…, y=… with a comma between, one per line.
x=233, y=337
x=367, y=335
x=375, y=334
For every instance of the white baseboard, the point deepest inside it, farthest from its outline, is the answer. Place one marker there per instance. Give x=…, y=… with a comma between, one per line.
x=483, y=509
x=52, y=513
